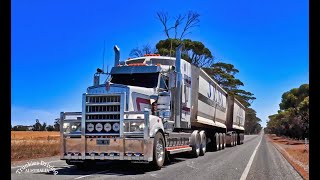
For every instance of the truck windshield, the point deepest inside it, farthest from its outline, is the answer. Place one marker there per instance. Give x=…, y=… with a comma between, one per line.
x=148, y=80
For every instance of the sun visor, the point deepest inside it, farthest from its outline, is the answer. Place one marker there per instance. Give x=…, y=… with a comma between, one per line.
x=135, y=69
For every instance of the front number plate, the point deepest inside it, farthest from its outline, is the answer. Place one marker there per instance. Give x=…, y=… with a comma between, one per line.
x=103, y=141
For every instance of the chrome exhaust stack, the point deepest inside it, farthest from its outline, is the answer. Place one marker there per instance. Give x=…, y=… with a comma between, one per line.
x=117, y=55
x=178, y=92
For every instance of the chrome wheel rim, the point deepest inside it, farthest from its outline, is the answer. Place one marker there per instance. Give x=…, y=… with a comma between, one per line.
x=160, y=152
x=198, y=148
x=204, y=144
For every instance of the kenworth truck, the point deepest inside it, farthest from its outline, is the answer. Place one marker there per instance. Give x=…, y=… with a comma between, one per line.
x=149, y=108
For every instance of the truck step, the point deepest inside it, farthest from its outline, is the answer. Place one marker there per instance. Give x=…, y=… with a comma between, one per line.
x=178, y=149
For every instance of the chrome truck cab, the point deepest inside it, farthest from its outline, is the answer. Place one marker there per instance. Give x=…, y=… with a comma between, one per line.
x=116, y=122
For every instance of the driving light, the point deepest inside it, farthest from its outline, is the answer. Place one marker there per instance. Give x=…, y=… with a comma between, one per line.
x=116, y=126
x=90, y=127
x=107, y=127
x=99, y=127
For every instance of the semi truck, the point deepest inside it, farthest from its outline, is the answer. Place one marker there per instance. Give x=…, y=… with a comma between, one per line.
x=149, y=108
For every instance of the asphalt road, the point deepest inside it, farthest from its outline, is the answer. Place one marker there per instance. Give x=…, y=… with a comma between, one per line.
x=255, y=159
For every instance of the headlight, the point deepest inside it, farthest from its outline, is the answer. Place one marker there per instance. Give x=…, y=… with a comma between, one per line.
x=141, y=127
x=71, y=127
x=134, y=126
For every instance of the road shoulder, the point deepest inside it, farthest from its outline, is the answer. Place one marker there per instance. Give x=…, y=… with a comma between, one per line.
x=302, y=169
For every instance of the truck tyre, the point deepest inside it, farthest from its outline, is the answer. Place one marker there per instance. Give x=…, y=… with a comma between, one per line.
x=223, y=140
x=195, y=143
x=220, y=141
x=203, y=144
x=238, y=139
x=216, y=142
x=242, y=138
x=231, y=141
x=158, y=151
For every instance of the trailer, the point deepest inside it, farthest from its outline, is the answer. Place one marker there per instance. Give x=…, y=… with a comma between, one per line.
x=151, y=107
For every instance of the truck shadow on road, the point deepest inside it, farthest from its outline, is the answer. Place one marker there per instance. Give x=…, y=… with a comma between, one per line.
x=119, y=168
x=124, y=168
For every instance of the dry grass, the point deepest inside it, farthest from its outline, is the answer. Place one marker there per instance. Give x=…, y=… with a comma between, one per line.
x=296, y=150
x=29, y=144
x=34, y=135
x=300, y=154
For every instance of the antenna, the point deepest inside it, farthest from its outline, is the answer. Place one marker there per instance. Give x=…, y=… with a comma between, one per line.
x=108, y=75
x=170, y=47
x=104, y=47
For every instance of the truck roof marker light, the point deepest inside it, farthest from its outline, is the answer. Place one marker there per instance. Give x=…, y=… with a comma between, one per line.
x=137, y=64
x=152, y=55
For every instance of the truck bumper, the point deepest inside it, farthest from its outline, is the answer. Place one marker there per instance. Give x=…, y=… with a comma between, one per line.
x=117, y=149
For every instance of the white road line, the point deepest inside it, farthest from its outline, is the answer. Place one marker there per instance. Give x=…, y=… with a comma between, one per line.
x=154, y=175
x=34, y=161
x=246, y=170
x=91, y=174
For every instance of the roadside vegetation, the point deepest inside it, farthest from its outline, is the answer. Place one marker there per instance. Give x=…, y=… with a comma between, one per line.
x=292, y=120
x=288, y=128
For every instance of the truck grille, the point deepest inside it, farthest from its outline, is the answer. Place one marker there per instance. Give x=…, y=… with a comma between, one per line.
x=102, y=114
x=103, y=99
x=104, y=117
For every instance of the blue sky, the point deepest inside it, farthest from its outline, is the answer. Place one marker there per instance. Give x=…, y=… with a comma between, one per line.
x=57, y=45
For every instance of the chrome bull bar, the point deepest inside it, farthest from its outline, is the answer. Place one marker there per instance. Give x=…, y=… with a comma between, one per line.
x=127, y=146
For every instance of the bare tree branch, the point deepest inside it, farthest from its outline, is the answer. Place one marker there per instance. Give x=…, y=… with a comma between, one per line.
x=163, y=18
x=136, y=52
x=179, y=19
x=146, y=49
x=192, y=21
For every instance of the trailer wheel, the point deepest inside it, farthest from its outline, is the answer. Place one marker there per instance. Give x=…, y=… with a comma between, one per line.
x=220, y=141
x=242, y=138
x=231, y=141
x=238, y=139
x=217, y=142
x=158, y=151
x=223, y=140
x=195, y=143
x=203, y=145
